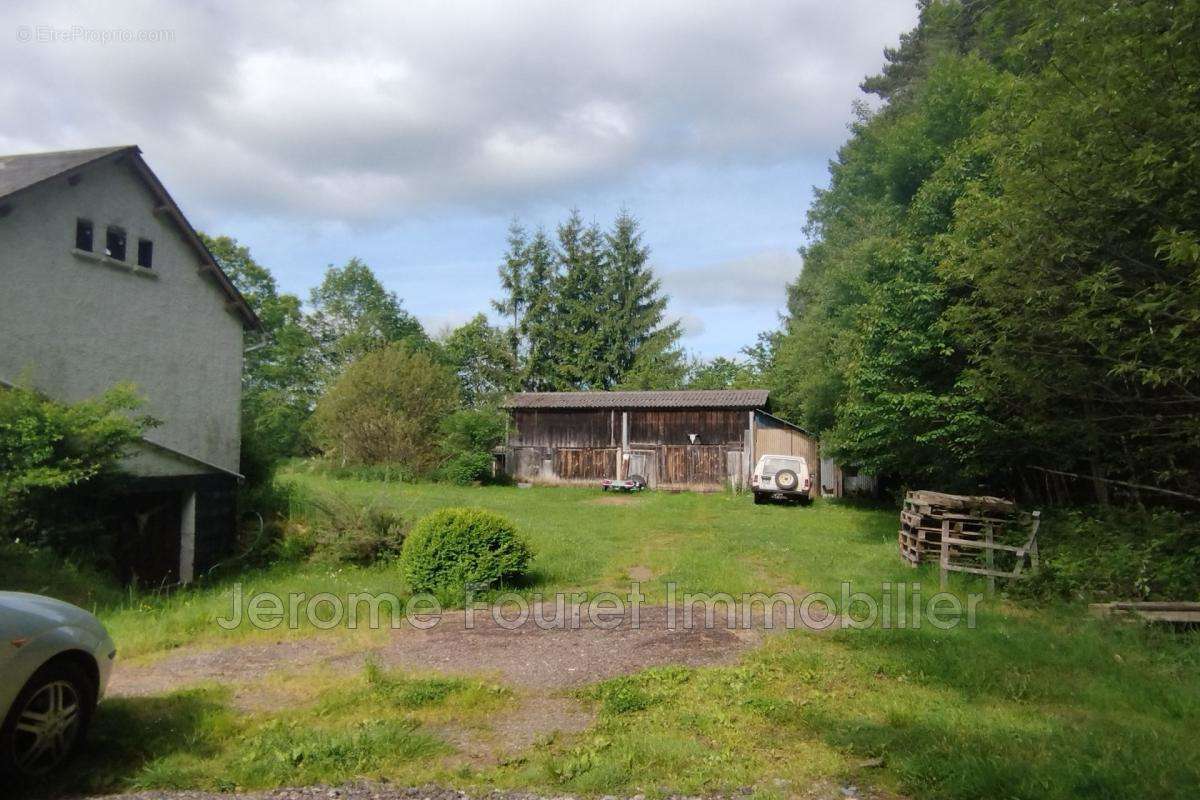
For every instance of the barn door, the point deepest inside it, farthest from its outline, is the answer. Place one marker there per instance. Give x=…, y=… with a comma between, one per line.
x=698, y=465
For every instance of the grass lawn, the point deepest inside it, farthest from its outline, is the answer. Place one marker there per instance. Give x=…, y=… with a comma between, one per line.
x=1037, y=701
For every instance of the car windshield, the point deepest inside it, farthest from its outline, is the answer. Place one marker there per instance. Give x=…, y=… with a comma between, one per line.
x=773, y=465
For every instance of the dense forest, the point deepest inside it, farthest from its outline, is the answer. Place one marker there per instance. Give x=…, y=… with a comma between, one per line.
x=1004, y=270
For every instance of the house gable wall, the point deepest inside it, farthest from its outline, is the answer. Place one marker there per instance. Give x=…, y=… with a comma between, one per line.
x=73, y=326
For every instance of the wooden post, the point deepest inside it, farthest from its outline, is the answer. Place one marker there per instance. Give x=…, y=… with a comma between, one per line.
x=944, y=560
x=943, y=578
x=187, y=538
x=624, y=452
x=1033, y=547
x=752, y=456
x=990, y=559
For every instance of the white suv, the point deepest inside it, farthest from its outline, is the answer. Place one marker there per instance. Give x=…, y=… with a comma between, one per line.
x=785, y=477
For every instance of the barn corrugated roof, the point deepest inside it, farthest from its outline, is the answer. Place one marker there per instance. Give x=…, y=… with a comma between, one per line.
x=697, y=398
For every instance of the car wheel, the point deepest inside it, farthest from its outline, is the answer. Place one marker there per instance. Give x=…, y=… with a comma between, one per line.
x=48, y=720
x=638, y=480
x=786, y=480
x=759, y=498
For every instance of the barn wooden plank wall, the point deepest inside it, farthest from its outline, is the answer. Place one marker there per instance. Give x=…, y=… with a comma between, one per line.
x=673, y=426
x=553, y=428
x=584, y=463
x=678, y=448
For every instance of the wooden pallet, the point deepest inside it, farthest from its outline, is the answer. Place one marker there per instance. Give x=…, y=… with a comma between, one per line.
x=1180, y=612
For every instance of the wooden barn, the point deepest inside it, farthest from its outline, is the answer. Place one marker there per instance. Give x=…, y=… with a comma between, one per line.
x=694, y=440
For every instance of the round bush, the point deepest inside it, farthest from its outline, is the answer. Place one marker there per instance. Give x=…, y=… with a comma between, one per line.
x=453, y=547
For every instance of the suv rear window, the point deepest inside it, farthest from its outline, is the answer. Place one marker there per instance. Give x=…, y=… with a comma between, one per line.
x=773, y=465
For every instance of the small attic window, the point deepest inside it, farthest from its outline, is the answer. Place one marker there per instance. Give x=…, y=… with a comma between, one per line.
x=83, y=234
x=145, y=253
x=115, y=243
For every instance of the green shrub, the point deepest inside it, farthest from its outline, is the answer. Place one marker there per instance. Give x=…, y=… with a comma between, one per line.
x=454, y=547
x=468, y=436
x=1119, y=554
x=58, y=462
x=466, y=468
x=25, y=568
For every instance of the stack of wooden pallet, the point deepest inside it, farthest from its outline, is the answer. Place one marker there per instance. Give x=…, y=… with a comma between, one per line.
x=928, y=516
x=976, y=535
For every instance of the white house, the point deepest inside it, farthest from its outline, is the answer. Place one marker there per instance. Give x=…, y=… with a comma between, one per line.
x=105, y=281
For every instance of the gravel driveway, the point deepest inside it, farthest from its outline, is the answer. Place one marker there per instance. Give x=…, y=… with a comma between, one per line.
x=529, y=656
x=382, y=791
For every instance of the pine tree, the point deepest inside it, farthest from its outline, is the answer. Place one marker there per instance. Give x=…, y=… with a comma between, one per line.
x=587, y=311
x=581, y=307
x=538, y=329
x=513, y=279
x=633, y=328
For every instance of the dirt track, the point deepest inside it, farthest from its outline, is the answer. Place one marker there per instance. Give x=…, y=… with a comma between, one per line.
x=528, y=656
x=382, y=791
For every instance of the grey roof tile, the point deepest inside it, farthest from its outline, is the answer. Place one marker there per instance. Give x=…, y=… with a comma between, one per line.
x=21, y=171
x=706, y=398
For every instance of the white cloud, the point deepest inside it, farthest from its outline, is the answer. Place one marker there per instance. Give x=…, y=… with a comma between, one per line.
x=440, y=325
x=753, y=281
x=693, y=325
x=362, y=111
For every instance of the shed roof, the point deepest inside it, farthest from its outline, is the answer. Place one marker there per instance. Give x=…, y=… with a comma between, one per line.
x=25, y=170
x=698, y=398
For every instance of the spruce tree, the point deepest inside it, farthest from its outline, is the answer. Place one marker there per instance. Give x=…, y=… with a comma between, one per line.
x=581, y=307
x=586, y=311
x=513, y=279
x=538, y=328
x=633, y=329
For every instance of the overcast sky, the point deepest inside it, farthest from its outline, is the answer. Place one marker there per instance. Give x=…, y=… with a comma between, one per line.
x=410, y=133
